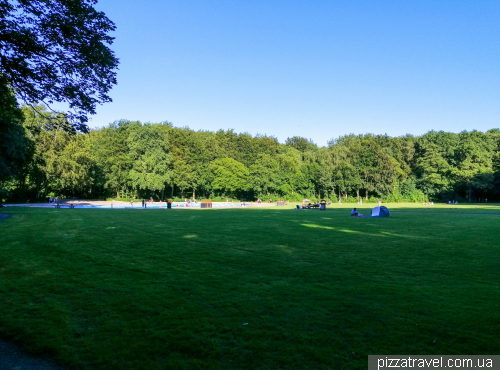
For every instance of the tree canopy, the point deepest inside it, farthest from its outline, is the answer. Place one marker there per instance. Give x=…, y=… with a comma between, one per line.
x=132, y=159
x=14, y=146
x=57, y=51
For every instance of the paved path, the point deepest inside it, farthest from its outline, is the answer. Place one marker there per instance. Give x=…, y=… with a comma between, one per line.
x=13, y=358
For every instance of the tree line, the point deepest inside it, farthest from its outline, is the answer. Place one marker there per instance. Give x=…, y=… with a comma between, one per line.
x=130, y=159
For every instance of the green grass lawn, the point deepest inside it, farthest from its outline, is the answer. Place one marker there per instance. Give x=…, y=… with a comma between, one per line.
x=262, y=288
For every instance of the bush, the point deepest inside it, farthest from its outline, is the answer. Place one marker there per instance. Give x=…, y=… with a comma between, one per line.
x=223, y=199
x=350, y=199
x=122, y=199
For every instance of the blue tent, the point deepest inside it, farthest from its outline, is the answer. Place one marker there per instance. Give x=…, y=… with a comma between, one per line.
x=380, y=212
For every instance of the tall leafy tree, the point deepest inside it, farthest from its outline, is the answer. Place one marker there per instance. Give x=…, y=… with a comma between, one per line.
x=109, y=145
x=229, y=176
x=290, y=163
x=474, y=162
x=49, y=133
x=325, y=172
x=57, y=51
x=264, y=174
x=149, y=150
x=301, y=144
x=14, y=145
x=77, y=168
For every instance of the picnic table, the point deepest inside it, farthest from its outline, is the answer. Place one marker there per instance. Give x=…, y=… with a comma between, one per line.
x=309, y=206
x=64, y=205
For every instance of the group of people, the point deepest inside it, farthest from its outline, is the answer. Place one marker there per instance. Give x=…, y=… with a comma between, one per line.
x=144, y=203
x=53, y=200
x=310, y=205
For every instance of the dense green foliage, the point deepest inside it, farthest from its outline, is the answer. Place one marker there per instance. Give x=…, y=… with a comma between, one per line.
x=130, y=159
x=14, y=146
x=159, y=289
x=51, y=51
x=57, y=51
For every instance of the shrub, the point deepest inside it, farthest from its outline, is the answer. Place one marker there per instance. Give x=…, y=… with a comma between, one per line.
x=123, y=199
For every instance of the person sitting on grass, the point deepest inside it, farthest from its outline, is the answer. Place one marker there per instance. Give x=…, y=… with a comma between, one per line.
x=354, y=213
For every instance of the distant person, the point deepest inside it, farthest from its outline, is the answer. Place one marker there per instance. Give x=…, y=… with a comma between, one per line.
x=150, y=199
x=259, y=202
x=143, y=203
x=131, y=202
x=379, y=202
x=354, y=213
x=51, y=200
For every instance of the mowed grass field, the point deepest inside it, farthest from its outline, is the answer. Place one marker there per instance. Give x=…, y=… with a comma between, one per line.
x=261, y=288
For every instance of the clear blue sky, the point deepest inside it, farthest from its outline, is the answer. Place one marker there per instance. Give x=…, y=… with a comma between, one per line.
x=317, y=69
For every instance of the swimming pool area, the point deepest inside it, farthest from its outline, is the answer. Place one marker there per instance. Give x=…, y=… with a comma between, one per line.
x=122, y=205
x=175, y=205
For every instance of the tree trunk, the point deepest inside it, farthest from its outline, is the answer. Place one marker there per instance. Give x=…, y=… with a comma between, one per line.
x=194, y=193
x=173, y=186
x=37, y=189
x=366, y=192
x=357, y=194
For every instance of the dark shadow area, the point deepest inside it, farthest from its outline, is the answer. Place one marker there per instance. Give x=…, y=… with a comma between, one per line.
x=4, y=216
x=12, y=357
